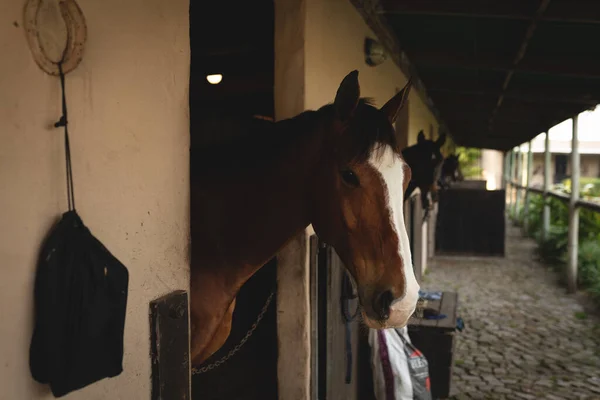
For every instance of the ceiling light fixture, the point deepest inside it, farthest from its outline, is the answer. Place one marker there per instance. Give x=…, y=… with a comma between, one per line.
x=214, y=78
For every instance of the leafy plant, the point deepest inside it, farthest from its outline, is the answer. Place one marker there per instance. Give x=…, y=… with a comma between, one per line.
x=588, y=187
x=553, y=248
x=468, y=159
x=589, y=264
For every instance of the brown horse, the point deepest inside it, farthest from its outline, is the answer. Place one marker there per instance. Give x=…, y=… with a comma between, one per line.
x=450, y=171
x=425, y=160
x=339, y=169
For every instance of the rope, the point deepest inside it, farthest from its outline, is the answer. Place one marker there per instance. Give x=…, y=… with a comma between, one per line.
x=64, y=123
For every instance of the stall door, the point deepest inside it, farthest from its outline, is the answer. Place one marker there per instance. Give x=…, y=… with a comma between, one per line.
x=330, y=354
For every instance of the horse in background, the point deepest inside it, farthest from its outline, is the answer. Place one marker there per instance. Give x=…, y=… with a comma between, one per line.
x=338, y=168
x=450, y=172
x=425, y=160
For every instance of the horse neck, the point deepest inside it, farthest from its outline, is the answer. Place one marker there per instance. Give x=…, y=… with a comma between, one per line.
x=254, y=211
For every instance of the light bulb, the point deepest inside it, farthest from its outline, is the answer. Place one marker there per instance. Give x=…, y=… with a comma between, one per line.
x=214, y=79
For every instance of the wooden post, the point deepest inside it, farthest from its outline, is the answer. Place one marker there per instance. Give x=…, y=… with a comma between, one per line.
x=573, y=211
x=519, y=179
x=547, y=173
x=170, y=347
x=527, y=185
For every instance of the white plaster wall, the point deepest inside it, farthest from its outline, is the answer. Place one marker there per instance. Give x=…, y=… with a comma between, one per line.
x=335, y=34
x=492, y=164
x=590, y=167
x=128, y=112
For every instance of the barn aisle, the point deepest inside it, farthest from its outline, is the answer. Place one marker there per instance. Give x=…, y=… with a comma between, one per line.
x=524, y=337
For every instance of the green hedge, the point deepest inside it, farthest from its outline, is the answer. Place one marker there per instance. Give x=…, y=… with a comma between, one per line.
x=553, y=249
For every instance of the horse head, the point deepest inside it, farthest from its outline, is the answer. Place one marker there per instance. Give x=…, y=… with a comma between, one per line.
x=425, y=160
x=450, y=171
x=358, y=203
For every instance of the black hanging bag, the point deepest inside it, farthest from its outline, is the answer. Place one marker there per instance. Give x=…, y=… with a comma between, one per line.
x=80, y=299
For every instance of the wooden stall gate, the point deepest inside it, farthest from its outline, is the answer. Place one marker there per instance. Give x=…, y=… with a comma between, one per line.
x=330, y=357
x=471, y=222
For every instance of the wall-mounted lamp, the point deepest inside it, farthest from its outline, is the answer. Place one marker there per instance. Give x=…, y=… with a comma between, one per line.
x=214, y=78
x=374, y=52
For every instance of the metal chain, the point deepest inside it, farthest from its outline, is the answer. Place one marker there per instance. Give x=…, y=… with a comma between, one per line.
x=218, y=363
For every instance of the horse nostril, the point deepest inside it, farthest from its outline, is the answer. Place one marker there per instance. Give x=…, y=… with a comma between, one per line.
x=383, y=302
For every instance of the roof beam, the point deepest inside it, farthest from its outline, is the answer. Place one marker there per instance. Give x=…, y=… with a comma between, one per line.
x=573, y=12
x=519, y=56
x=506, y=9
x=478, y=103
x=531, y=96
x=494, y=62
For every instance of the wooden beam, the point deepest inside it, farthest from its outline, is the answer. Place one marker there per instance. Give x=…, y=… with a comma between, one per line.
x=493, y=62
x=506, y=9
x=480, y=103
x=573, y=11
x=170, y=347
x=538, y=96
x=520, y=54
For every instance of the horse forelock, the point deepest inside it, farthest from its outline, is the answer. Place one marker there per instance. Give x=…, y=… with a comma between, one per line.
x=367, y=133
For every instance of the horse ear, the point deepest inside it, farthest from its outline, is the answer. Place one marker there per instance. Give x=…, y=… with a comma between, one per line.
x=347, y=96
x=441, y=140
x=394, y=105
x=420, y=137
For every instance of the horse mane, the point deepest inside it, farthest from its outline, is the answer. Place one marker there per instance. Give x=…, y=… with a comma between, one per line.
x=369, y=130
x=245, y=139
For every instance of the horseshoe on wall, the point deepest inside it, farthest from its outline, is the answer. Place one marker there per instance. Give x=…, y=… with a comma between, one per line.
x=70, y=52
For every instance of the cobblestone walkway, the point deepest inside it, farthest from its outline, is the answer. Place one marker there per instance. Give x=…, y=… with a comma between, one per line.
x=524, y=337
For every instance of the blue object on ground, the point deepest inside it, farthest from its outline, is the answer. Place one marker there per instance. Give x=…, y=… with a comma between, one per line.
x=430, y=295
x=439, y=316
x=460, y=324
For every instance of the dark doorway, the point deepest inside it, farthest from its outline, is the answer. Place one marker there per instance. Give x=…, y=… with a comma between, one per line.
x=235, y=40
x=251, y=374
x=560, y=167
x=471, y=222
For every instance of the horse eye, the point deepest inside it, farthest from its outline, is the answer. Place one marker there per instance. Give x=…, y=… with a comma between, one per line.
x=350, y=178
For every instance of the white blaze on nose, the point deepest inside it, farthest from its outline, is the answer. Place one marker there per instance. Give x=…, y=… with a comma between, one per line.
x=391, y=168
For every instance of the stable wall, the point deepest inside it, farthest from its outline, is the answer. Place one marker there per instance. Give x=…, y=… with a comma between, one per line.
x=589, y=167
x=492, y=165
x=317, y=43
x=334, y=45
x=128, y=114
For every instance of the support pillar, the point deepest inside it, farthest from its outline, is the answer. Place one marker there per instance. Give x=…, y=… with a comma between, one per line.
x=547, y=173
x=527, y=185
x=513, y=173
x=506, y=179
x=573, y=245
x=519, y=179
